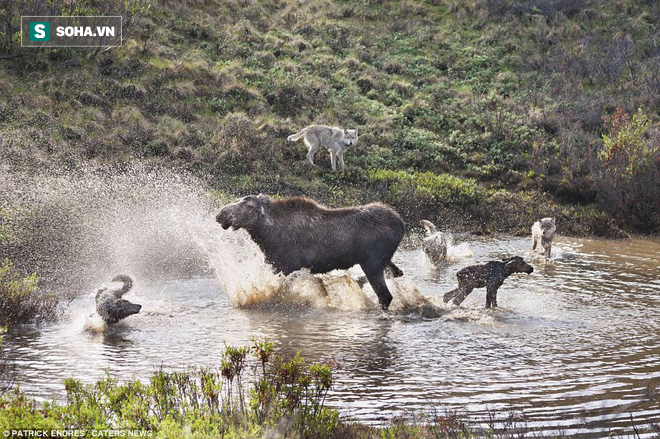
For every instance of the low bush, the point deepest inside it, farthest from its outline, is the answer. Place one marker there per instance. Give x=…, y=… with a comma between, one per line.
x=287, y=395
x=20, y=298
x=441, y=189
x=425, y=195
x=627, y=178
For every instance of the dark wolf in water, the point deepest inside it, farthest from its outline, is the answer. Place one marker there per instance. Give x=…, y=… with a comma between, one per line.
x=109, y=303
x=490, y=275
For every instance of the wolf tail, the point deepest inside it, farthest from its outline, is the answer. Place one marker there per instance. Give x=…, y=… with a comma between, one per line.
x=128, y=282
x=298, y=135
x=429, y=226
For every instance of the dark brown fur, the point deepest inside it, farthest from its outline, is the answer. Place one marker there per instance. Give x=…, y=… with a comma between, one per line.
x=298, y=232
x=490, y=275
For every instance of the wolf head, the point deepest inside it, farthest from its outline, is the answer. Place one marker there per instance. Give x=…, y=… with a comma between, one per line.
x=350, y=137
x=548, y=227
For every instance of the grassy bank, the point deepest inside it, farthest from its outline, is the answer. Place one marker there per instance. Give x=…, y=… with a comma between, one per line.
x=533, y=105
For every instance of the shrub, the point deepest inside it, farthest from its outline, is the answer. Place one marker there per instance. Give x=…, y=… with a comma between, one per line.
x=629, y=170
x=20, y=299
x=443, y=189
x=289, y=394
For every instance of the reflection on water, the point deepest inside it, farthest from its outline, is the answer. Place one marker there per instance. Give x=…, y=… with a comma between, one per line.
x=574, y=346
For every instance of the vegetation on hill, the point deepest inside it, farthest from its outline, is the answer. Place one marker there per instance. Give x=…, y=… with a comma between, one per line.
x=481, y=115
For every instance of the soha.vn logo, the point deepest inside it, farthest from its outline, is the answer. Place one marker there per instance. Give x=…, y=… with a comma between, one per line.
x=39, y=31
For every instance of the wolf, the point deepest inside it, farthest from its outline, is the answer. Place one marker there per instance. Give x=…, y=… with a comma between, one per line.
x=336, y=139
x=109, y=303
x=543, y=232
x=435, y=243
x=490, y=275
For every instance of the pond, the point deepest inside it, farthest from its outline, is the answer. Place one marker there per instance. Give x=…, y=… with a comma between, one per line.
x=574, y=346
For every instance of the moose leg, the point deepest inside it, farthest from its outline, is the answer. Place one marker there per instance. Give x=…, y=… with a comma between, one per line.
x=376, y=278
x=396, y=271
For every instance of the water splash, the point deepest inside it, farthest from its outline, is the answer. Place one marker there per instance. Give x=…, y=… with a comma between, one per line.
x=79, y=228
x=94, y=324
x=459, y=251
x=239, y=266
x=455, y=253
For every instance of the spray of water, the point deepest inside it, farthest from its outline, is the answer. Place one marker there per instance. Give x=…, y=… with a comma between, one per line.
x=456, y=252
x=78, y=229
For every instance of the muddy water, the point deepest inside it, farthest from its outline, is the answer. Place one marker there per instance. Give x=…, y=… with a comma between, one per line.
x=575, y=346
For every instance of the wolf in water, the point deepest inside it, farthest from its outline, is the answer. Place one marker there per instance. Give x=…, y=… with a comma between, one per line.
x=337, y=141
x=490, y=275
x=435, y=244
x=109, y=303
x=543, y=232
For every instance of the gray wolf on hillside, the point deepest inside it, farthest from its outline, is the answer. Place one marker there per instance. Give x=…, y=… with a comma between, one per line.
x=109, y=303
x=543, y=232
x=435, y=243
x=490, y=275
x=335, y=139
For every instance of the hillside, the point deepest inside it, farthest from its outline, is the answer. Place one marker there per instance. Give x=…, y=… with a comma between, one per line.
x=481, y=115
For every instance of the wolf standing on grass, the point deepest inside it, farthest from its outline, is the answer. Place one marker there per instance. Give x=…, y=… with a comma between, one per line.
x=337, y=141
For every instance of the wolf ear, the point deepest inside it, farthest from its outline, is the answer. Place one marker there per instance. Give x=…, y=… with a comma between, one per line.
x=553, y=220
x=345, y=132
x=356, y=131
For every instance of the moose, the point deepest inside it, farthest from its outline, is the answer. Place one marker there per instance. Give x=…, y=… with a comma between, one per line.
x=298, y=232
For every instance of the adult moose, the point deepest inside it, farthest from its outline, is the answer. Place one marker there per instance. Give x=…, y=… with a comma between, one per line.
x=298, y=232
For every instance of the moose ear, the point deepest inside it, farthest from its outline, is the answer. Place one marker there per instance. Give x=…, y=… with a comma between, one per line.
x=266, y=216
x=507, y=260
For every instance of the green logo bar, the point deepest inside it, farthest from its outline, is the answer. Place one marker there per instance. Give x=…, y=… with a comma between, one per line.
x=70, y=30
x=39, y=31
